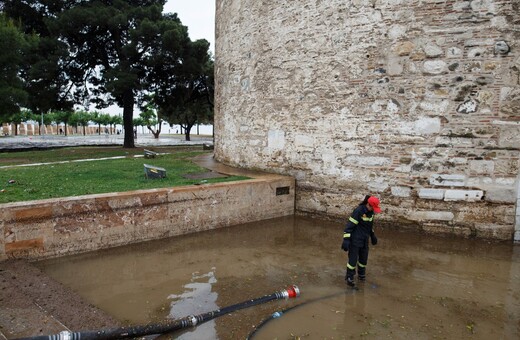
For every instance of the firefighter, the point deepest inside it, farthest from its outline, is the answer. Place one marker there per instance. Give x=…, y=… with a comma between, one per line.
x=355, y=238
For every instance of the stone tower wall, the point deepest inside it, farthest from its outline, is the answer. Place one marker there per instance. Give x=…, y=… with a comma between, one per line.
x=416, y=101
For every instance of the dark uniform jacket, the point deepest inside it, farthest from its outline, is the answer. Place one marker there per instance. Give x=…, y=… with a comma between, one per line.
x=359, y=226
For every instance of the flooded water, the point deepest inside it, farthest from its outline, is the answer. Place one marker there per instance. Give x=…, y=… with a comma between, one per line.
x=418, y=286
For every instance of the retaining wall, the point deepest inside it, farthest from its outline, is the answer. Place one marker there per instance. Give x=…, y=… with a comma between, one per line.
x=57, y=227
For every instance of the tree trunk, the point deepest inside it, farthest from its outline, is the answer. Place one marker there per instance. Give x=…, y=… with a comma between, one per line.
x=128, y=113
x=187, y=130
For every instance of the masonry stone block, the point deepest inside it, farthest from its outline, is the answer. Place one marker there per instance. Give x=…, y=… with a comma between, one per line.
x=448, y=180
x=494, y=231
x=435, y=106
x=377, y=186
x=432, y=194
x=432, y=216
x=509, y=136
x=427, y=125
x=404, y=48
x=304, y=141
x=482, y=167
x=505, y=181
x=276, y=139
x=421, y=127
x=500, y=195
x=434, y=67
x=454, y=52
x=432, y=50
x=469, y=106
x=401, y=191
x=477, y=52
x=463, y=195
x=367, y=160
x=502, y=48
x=451, y=141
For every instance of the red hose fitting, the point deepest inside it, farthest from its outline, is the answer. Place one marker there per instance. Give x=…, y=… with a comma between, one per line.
x=293, y=291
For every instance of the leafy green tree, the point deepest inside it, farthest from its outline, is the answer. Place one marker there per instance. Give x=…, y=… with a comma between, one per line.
x=114, y=121
x=150, y=118
x=187, y=98
x=116, y=44
x=81, y=118
x=18, y=118
x=113, y=51
x=63, y=117
x=100, y=119
x=137, y=122
x=13, y=46
x=47, y=120
x=47, y=60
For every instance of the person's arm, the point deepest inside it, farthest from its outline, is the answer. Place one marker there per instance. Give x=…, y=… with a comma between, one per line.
x=373, y=238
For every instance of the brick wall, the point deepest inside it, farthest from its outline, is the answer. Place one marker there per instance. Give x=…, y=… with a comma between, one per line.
x=414, y=101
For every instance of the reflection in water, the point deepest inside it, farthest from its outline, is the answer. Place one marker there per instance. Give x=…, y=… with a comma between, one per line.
x=197, y=299
x=418, y=286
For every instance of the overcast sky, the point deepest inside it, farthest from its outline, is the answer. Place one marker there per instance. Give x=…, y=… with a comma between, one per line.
x=198, y=15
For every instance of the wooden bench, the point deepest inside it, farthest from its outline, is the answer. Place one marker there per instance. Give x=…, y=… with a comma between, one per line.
x=150, y=154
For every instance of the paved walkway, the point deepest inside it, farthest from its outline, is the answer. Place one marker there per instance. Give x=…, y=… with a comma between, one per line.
x=50, y=141
x=207, y=161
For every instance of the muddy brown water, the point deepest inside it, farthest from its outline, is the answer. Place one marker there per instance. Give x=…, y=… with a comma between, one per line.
x=418, y=286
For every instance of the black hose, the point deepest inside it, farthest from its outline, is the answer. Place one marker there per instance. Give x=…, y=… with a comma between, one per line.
x=283, y=311
x=166, y=327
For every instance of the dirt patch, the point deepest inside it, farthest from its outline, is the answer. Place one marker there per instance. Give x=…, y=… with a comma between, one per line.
x=33, y=304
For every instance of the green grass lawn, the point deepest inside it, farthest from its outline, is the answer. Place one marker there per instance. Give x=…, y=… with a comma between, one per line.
x=93, y=177
x=86, y=152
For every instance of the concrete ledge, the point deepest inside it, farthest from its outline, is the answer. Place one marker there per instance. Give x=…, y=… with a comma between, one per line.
x=56, y=227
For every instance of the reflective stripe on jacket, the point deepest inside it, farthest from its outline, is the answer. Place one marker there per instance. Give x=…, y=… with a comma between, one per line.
x=359, y=226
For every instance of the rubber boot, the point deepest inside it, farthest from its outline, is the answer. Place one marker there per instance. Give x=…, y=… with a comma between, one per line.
x=349, y=278
x=361, y=274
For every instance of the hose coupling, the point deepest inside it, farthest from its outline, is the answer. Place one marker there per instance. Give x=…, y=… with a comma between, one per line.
x=291, y=292
x=63, y=335
x=193, y=320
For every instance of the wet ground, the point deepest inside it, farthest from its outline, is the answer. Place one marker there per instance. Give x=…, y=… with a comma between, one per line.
x=31, y=304
x=418, y=286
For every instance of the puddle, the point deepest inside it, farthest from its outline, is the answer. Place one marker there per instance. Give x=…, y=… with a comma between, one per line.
x=418, y=286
